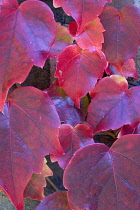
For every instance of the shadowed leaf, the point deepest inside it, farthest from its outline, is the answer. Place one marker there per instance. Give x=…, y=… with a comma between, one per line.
x=56, y=200
x=35, y=187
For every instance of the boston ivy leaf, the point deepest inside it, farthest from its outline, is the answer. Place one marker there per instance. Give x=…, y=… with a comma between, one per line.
x=35, y=187
x=63, y=39
x=128, y=69
x=56, y=200
x=68, y=113
x=28, y=131
x=91, y=38
x=27, y=33
x=122, y=34
x=72, y=139
x=78, y=70
x=128, y=129
x=83, y=11
x=101, y=178
x=113, y=104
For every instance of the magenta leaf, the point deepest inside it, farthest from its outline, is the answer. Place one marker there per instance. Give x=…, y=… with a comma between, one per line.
x=101, y=178
x=78, y=70
x=27, y=33
x=55, y=201
x=83, y=11
x=67, y=111
x=72, y=139
x=122, y=34
x=113, y=104
x=28, y=131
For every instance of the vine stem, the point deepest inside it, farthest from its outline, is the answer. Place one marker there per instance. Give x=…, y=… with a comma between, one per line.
x=52, y=184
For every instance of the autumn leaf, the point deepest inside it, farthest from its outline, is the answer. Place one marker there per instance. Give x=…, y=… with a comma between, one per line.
x=27, y=33
x=122, y=34
x=72, y=139
x=28, y=131
x=56, y=200
x=113, y=104
x=67, y=111
x=78, y=71
x=83, y=11
x=62, y=40
x=101, y=178
x=91, y=38
x=35, y=187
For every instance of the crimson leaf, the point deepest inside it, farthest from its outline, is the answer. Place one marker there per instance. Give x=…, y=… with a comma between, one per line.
x=91, y=37
x=27, y=33
x=28, y=131
x=72, y=139
x=83, y=11
x=101, y=178
x=78, y=70
x=113, y=104
x=122, y=34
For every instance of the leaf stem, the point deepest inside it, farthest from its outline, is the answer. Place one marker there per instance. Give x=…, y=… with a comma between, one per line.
x=52, y=184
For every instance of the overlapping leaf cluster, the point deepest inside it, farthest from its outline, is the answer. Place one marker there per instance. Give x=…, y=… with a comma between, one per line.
x=62, y=119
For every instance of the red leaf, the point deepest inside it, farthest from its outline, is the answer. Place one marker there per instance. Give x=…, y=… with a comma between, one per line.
x=122, y=30
x=63, y=39
x=101, y=178
x=91, y=38
x=68, y=113
x=128, y=69
x=72, y=139
x=83, y=11
x=113, y=104
x=27, y=33
x=28, y=131
x=56, y=200
x=35, y=187
x=128, y=129
x=78, y=70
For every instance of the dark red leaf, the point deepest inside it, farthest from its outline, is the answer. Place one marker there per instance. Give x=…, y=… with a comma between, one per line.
x=56, y=200
x=78, y=70
x=63, y=39
x=35, y=187
x=128, y=69
x=113, y=104
x=27, y=33
x=122, y=34
x=68, y=113
x=91, y=38
x=72, y=139
x=28, y=131
x=101, y=178
x=83, y=11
